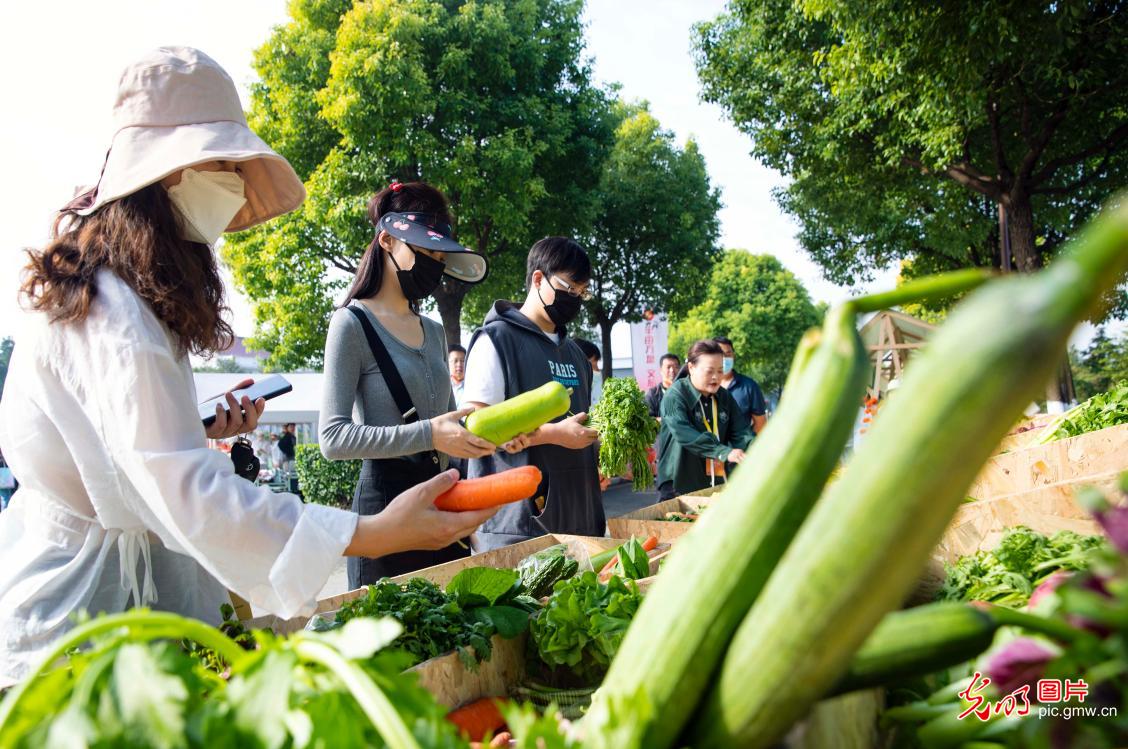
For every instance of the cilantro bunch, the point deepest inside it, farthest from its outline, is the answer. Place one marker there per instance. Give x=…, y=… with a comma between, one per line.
x=626, y=431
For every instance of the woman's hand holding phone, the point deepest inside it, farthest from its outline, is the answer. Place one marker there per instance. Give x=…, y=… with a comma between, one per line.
x=236, y=418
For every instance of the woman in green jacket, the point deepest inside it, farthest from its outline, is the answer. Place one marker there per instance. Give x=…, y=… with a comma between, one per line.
x=702, y=426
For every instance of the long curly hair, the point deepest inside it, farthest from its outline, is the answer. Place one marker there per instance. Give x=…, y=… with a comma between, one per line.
x=137, y=238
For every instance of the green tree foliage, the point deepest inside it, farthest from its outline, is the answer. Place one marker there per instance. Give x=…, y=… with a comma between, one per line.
x=325, y=482
x=759, y=305
x=904, y=125
x=6, y=347
x=1101, y=365
x=656, y=227
x=489, y=100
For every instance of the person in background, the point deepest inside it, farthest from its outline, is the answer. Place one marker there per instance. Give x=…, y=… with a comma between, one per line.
x=387, y=396
x=702, y=426
x=121, y=501
x=518, y=349
x=287, y=444
x=456, y=363
x=669, y=365
x=744, y=389
x=591, y=351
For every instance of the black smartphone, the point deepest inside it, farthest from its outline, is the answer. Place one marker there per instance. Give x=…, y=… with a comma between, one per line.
x=268, y=387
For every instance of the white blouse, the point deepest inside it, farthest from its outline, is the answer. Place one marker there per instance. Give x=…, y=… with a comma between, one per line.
x=121, y=503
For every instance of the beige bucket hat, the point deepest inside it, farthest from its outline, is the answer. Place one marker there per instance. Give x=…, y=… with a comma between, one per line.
x=176, y=108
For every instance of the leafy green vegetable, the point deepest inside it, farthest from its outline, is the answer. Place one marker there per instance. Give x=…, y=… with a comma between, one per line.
x=478, y=603
x=580, y=628
x=132, y=685
x=633, y=560
x=626, y=431
x=485, y=584
x=433, y=621
x=1099, y=412
x=1023, y=559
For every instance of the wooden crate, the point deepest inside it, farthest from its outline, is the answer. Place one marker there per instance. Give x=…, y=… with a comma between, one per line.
x=1048, y=509
x=648, y=521
x=1087, y=455
x=507, y=557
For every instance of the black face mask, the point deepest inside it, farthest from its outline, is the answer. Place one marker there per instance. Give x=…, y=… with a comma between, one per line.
x=422, y=279
x=563, y=309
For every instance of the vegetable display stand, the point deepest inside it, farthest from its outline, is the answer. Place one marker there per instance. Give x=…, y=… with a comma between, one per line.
x=507, y=557
x=649, y=521
x=1085, y=456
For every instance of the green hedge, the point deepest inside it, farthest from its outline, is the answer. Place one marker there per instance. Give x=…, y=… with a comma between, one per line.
x=325, y=482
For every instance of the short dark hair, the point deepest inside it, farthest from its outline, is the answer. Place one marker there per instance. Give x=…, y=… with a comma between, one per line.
x=670, y=356
x=589, y=348
x=289, y=424
x=455, y=347
x=555, y=255
x=703, y=348
x=724, y=342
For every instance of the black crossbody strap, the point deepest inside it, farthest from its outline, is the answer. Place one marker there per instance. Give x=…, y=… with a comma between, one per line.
x=387, y=368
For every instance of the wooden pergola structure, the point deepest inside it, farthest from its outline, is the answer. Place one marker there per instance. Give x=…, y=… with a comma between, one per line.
x=890, y=337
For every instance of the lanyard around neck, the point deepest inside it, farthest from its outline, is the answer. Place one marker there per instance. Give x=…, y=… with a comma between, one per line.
x=711, y=427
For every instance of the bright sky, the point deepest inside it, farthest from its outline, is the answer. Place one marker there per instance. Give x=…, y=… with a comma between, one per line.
x=61, y=62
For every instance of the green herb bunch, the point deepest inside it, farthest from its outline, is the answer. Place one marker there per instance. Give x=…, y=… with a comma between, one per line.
x=626, y=431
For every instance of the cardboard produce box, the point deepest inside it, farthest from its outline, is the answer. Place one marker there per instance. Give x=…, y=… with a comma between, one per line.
x=454, y=685
x=649, y=520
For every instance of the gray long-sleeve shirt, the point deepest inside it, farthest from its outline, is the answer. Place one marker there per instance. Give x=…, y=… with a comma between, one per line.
x=359, y=417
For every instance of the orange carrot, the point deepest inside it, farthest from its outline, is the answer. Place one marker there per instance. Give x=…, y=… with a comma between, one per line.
x=649, y=544
x=478, y=719
x=490, y=491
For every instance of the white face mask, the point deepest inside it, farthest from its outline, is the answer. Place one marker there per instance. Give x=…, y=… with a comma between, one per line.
x=726, y=364
x=206, y=202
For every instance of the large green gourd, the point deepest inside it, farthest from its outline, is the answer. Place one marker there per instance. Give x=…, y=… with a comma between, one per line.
x=863, y=546
x=520, y=414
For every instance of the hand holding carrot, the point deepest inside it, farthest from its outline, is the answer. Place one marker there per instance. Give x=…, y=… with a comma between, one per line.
x=412, y=521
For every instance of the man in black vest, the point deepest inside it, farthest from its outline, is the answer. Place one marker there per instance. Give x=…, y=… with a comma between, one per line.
x=520, y=348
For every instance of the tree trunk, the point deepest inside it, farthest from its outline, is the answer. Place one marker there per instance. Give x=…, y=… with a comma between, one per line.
x=448, y=298
x=607, y=360
x=1020, y=225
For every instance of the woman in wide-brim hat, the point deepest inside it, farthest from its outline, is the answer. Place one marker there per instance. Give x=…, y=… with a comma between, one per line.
x=121, y=503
